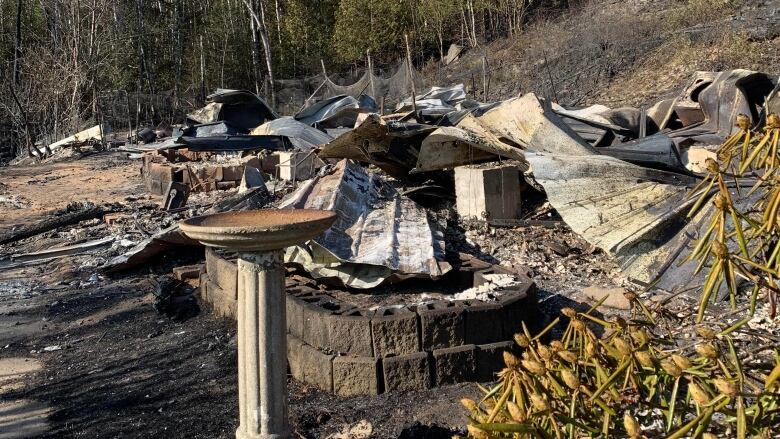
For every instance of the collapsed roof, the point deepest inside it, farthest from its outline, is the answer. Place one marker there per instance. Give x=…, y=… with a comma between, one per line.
x=618, y=177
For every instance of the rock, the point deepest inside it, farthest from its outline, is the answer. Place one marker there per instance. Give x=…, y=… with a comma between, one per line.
x=615, y=296
x=557, y=247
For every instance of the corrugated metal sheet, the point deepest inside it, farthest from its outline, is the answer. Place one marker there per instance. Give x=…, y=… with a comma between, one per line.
x=378, y=233
x=301, y=136
x=629, y=211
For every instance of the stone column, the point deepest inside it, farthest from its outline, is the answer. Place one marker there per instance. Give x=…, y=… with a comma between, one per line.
x=262, y=347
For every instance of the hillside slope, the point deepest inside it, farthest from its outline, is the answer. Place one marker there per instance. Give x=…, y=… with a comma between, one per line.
x=621, y=52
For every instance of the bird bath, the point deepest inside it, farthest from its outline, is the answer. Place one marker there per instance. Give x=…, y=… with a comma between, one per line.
x=260, y=237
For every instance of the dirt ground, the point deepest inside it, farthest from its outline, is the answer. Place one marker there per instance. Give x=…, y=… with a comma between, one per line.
x=44, y=187
x=120, y=369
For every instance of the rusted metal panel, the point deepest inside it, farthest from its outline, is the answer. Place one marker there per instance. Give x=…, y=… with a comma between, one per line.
x=378, y=233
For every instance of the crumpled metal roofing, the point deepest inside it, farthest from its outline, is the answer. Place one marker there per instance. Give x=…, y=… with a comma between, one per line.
x=528, y=124
x=506, y=130
x=721, y=97
x=337, y=111
x=300, y=135
x=378, y=233
x=436, y=99
x=242, y=108
x=638, y=214
x=629, y=211
x=390, y=145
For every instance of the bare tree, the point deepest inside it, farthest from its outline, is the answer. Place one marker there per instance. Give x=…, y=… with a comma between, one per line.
x=178, y=52
x=253, y=7
x=18, y=41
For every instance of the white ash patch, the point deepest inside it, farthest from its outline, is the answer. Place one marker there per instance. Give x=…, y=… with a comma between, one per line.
x=490, y=291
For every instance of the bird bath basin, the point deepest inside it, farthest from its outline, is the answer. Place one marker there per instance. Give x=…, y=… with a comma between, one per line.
x=260, y=237
x=258, y=230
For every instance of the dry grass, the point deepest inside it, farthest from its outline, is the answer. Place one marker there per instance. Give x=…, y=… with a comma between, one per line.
x=615, y=53
x=664, y=72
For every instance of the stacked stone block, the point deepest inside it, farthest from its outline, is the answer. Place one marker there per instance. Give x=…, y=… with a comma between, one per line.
x=199, y=176
x=353, y=351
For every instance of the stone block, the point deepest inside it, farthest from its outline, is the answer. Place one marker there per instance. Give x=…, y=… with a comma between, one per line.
x=454, y=365
x=294, y=354
x=484, y=323
x=467, y=265
x=519, y=307
x=160, y=172
x=214, y=291
x=296, y=165
x=115, y=217
x=156, y=187
x=356, y=376
x=350, y=332
x=317, y=368
x=269, y=163
x=205, y=178
x=407, y=372
x=303, y=284
x=295, y=307
x=214, y=173
x=211, y=261
x=441, y=325
x=227, y=185
x=232, y=173
x=252, y=161
x=315, y=331
x=316, y=310
x=187, y=271
x=615, y=297
x=224, y=305
x=203, y=288
x=225, y=274
x=490, y=359
x=488, y=192
x=394, y=332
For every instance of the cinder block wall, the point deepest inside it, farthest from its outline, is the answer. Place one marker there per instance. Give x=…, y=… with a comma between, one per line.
x=200, y=176
x=353, y=351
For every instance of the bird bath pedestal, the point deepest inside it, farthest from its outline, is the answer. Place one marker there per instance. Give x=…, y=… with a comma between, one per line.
x=260, y=237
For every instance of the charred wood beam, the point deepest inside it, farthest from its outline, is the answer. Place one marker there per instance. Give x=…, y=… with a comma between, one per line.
x=86, y=213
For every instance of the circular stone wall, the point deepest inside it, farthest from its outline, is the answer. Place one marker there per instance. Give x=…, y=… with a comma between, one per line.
x=350, y=350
